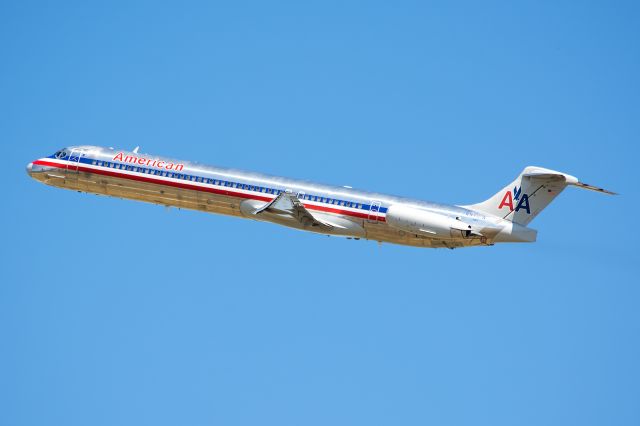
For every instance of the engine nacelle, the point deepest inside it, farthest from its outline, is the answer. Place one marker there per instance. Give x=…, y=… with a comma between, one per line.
x=424, y=222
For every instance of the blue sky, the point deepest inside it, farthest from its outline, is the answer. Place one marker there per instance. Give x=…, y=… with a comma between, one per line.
x=116, y=312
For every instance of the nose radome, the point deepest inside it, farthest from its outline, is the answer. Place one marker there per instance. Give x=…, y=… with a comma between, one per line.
x=29, y=168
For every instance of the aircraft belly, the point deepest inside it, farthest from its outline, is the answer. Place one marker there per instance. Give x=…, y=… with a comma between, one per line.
x=228, y=205
x=380, y=231
x=154, y=193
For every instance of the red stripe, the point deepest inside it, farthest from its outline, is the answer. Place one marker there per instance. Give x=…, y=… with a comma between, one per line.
x=197, y=188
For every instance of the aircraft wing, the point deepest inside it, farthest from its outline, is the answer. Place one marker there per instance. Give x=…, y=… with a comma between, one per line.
x=288, y=205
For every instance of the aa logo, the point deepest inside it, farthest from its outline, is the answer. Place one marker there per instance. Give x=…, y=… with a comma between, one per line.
x=510, y=197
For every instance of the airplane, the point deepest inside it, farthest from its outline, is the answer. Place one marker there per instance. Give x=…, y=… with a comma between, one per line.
x=324, y=209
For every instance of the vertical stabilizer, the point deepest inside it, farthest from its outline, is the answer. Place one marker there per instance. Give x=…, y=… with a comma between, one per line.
x=533, y=190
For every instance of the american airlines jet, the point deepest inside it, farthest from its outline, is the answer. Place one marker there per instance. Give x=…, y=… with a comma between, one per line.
x=324, y=209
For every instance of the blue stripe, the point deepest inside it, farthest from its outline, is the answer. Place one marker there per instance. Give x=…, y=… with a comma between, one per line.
x=90, y=161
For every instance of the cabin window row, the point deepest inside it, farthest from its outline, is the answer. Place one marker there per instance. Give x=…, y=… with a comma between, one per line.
x=219, y=182
x=330, y=201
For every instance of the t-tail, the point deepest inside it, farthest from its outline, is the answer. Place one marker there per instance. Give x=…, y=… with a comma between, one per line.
x=524, y=198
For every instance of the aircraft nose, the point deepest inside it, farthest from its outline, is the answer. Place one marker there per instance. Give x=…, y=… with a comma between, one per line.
x=29, y=168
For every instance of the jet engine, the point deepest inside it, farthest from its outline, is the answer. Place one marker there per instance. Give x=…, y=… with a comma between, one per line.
x=428, y=223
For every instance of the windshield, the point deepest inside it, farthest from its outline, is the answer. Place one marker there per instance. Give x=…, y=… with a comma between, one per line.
x=60, y=154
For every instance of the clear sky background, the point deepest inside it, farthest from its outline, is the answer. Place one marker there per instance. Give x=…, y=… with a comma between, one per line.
x=114, y=312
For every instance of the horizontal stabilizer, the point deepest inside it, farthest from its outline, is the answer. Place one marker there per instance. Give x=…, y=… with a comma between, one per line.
x=594, y=188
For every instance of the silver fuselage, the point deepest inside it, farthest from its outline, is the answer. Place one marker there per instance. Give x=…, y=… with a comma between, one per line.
x=190, y=185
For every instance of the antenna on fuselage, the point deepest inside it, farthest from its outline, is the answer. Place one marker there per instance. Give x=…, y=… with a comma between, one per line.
x=135, y=150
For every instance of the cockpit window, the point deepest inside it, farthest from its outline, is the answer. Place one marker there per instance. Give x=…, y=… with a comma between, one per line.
x=60, y=154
